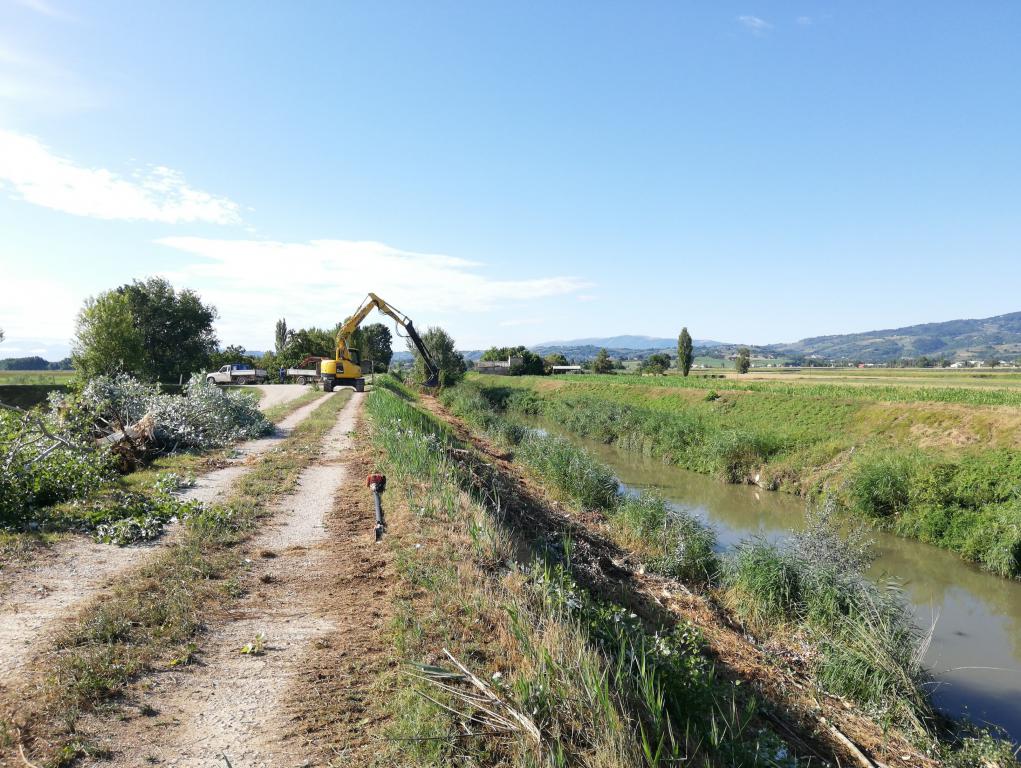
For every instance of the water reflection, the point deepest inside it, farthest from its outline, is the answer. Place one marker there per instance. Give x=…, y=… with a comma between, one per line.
x=975, y=652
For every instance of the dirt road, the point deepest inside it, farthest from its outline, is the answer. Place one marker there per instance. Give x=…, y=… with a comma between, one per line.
x=47, y=590
x=277, y=394
x=232, y=704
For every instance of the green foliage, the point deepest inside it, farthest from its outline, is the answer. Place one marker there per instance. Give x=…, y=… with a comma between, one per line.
x=681, y=547
x=880, y=485
x=685, y=352
x=531, y=364
x=602, y=363
x=129, y=517
x=448, y=360
x=234, y=353
x=317, y=342
x=570, y=472
x=145, y=328
x=743, y=361
x=106, y=340
x=554, y=358
x=281, y=336
x=870, y=648
x=656, y=363
x=375, y=344
x=37, y=474
x=34, y=363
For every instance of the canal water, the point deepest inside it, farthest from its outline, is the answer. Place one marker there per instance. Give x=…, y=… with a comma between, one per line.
x=975, y=654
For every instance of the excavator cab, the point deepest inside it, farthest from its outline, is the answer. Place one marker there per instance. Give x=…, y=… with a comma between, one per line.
x=345, y=369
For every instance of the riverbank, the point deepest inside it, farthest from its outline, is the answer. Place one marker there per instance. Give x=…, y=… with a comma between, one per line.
x=806, y=599
x=944, y=471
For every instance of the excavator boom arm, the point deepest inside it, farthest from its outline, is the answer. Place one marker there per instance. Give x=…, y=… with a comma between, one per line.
x=372, y=301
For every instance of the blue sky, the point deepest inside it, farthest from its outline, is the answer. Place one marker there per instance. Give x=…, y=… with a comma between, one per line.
x=515, y=172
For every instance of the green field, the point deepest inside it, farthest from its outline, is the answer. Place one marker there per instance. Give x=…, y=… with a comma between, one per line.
x=21, y=378
x=939, y=463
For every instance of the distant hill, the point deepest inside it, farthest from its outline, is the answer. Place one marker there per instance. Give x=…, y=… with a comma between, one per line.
x=955, y=339
x=623, y=342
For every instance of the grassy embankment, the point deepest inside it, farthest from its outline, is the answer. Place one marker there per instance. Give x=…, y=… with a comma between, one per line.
x=604, y=687
x=154, y=619
x=812, y=592
x=936, y=463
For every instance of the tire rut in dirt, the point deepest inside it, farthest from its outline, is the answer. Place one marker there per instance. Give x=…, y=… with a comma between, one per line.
x=232, y=703
x=45, y=592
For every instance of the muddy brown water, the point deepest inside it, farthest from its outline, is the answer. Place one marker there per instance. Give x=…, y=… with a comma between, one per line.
x=975, y=653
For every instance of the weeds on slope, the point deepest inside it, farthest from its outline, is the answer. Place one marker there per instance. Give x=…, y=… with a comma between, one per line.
x=866, y=645
x=153, y=619
x=672, y=542
x=968, y=502
x=605, y=689
x=971, y=506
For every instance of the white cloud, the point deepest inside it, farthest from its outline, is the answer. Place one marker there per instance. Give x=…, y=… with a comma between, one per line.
x=805, y=21
x=755, y=24
x=38, y=176
x=322, y=281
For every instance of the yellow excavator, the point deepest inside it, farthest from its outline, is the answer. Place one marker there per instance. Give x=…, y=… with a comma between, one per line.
x=346, y=367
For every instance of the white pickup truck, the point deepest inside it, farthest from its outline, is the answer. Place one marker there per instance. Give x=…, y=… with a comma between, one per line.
x=237, y=374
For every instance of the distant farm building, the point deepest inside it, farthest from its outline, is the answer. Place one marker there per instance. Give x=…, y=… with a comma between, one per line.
x=499, y=367
x=566, y=369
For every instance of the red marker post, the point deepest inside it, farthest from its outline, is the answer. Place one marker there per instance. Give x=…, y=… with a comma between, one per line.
x=377, y=484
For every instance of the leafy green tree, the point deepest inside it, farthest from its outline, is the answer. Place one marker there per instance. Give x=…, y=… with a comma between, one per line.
x=450, y=362
x=176, y=327
x=685, y=353
x=376, y=344
x=554, y=358
x=531, y=363
x=281, y=335
x=146, y=328
x=602, y=362
x=307, y=341
x=744, y=360
x=106, y=339
x=993, y=362
x=235, y=353
x=657, y=363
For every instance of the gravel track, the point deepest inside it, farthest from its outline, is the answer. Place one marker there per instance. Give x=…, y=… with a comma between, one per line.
x=232, y=704
x=44, y=592
x=277, y=394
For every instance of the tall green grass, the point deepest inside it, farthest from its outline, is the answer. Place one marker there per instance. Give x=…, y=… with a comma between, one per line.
x=867, y=646
x=968, y=501
x=673, y=543
x=606, y=689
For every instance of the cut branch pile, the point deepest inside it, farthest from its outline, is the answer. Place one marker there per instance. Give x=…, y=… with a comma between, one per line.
x=474, y=703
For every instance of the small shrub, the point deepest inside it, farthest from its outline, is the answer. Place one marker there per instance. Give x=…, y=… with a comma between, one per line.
x=880, y=485
x=571, y=471
x=766, y=583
